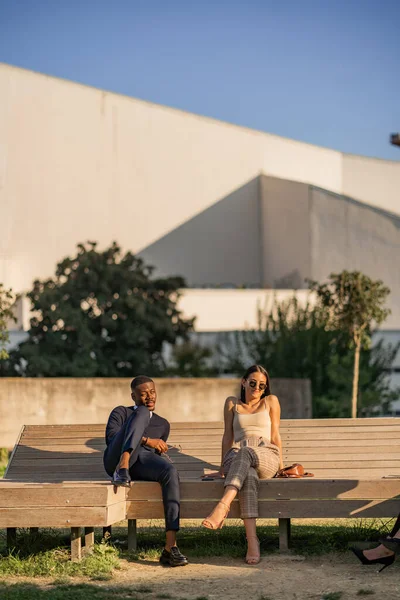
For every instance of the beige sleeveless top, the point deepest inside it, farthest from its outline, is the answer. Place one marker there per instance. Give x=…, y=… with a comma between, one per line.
x=251, y=425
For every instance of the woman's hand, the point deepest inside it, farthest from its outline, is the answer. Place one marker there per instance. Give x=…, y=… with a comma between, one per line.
x=158, y=445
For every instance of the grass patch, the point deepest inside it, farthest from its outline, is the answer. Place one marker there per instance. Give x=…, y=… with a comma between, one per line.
x=46, y=553
x=314, y=540
x=332, y=596
x=307, y=539
x=82, y=591
x=365, y=592
x=100, y=563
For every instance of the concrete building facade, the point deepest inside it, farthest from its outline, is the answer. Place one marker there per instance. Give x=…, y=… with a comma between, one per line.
x=222, y=205
x=77, y=163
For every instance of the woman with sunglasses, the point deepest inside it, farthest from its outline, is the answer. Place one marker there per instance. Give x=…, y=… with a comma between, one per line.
x=251, y=450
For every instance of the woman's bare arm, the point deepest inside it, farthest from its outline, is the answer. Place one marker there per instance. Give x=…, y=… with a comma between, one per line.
x=227, y=438
x=275, y=414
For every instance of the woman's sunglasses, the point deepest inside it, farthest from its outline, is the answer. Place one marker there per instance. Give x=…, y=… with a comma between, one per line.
x=261, y=386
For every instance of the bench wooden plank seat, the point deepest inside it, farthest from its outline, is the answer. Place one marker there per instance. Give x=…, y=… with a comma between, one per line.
x=55, y=477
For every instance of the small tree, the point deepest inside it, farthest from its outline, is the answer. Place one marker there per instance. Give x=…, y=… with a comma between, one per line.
x=295, y=341
x=353, y=303
x=6, y=315
x=102, y=315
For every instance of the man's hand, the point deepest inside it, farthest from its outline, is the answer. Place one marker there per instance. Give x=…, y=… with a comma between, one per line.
x=158, y=445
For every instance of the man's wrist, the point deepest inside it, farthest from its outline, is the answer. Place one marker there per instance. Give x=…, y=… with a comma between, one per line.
x=144, y=440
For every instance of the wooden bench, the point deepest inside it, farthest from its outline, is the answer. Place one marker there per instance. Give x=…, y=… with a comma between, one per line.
x=55, y=477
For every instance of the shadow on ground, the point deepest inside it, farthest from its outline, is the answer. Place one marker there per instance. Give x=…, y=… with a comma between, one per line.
x=81, y=591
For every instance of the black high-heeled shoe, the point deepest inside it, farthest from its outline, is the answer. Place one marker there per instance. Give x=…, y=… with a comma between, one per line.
x=392, y=544
x=386, y=561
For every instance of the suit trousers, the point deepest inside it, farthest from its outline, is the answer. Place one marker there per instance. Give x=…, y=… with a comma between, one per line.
x=244, y=467
x=144, y=464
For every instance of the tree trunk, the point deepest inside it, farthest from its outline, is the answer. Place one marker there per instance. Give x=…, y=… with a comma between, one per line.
x=355, y=379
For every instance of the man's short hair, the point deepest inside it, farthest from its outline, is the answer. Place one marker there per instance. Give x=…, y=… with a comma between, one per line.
x=139, y=380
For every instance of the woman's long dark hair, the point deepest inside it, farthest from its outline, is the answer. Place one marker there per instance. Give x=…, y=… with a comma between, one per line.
x=255, y=369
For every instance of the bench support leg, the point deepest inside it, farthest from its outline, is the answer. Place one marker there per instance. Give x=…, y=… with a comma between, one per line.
x=89, y=539
x=132, y=535
x=11, y=537
x=76, y=544
x=284, y=534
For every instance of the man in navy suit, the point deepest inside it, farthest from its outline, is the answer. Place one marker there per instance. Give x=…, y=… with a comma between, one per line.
x=136, y=439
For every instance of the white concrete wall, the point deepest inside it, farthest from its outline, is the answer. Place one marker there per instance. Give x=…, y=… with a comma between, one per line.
x=369, y=179
x=348, y=235
x=232, y=310
x=285, y=233
x=220, y=246
x=77, y=163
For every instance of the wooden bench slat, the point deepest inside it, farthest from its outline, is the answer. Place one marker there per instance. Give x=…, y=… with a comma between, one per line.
x=59, y=451
x=348, y=429
x=43, y=435
x=215, y=436
x=272, y=509
x=101, y=426
x=278, y=489
x=353, y=456
x=92, y=516
x=341, y=454
x=65, y=462
x=99, y=443
x=67, y=441
x=86, y=461
x=196, y=474
x=331, y=443
x=344, y=436
x=91, y=468
x=64, y=459
x=94, y=495
x=343, y=422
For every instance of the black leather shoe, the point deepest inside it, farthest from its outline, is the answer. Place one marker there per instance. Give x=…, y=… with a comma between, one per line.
x=174, y=558
x=121, y=477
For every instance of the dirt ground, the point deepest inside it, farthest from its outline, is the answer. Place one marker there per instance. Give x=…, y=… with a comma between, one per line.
x=284, y=577
x=276, y=577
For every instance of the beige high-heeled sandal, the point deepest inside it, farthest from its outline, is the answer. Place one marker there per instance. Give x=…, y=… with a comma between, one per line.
x=210, y=525
x=253, y=560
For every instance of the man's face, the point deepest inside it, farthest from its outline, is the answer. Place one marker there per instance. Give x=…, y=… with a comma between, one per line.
x=145, y=395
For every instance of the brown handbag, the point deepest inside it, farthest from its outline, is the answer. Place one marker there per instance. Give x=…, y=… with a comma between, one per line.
x=295, y=471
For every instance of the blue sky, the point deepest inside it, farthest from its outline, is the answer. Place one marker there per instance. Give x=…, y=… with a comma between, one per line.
x=321, y=71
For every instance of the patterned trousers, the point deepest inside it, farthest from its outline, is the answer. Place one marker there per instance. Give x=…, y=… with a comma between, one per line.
x=244, y=467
